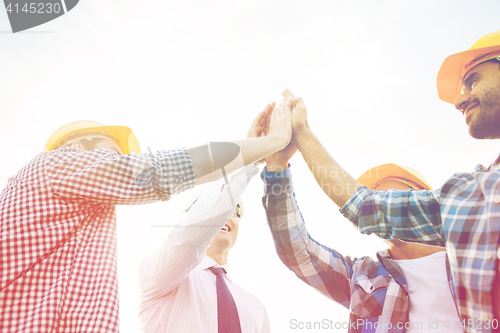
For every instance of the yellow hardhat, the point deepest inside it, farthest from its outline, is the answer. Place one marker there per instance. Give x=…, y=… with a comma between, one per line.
x=454, y=68
x=391, y=171
x=123, y=135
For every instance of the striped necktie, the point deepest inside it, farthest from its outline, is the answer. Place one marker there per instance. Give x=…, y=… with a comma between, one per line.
x=227, y=314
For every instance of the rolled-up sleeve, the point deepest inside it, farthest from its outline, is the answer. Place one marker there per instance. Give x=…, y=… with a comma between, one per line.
x=107, y=178
x=407, y=215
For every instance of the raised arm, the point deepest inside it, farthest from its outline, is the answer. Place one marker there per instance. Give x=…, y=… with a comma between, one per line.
x=211, y=162
x=104, y=177
x=324, y=269
x=387, y=218
x=320, y=267
x=333, y=180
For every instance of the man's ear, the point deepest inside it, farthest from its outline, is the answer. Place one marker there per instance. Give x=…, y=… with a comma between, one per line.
x=78, y=145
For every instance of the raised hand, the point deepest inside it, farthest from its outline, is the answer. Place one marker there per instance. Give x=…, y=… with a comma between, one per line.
x=280, y=123
x=279, y=160
x=299, y=115
x=260, y=122
x=255, y=148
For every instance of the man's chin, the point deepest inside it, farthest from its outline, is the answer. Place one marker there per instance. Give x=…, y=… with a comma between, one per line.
x=486, y=132
x=484, y=121
x=223, y=237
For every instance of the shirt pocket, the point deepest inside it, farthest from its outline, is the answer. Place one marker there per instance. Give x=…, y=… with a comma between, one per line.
x=368, y=295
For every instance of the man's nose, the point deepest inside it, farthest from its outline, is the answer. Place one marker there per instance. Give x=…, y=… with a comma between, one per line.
x=462, y=101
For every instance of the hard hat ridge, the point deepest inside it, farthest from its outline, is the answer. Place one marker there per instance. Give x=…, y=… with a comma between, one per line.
x=390, y=171
x=123, y=135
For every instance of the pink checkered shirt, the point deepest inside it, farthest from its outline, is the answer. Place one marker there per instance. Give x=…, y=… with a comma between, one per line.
x=58, y=234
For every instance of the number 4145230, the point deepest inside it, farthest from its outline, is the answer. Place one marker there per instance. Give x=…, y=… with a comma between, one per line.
x=35, y=8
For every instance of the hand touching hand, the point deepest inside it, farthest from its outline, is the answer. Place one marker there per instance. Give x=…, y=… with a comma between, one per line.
x=279, y=160
x=280, y=123
x=299, y=113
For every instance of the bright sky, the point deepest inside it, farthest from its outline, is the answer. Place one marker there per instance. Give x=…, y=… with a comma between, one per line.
x=181, y=73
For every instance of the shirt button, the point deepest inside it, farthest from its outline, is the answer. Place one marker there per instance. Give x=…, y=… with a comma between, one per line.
x=496, y=199
x=490, y=255
x=485, y=316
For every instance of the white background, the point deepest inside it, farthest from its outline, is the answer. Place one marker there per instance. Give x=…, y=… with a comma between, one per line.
x=181, y=73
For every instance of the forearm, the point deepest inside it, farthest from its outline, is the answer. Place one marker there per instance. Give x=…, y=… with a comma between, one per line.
x=333, y=180
x=301, y=254
x=230, y=156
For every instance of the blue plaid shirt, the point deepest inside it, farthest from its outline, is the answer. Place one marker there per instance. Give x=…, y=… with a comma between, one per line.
x=375, y=292
x=464, y=213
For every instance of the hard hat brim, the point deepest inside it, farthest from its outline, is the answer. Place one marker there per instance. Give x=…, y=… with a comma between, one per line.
x=452, y=71
x=124, y=136
x=375, y=175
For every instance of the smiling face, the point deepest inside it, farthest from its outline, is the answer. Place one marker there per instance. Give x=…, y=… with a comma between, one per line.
x=480, y=100
x=226, y=238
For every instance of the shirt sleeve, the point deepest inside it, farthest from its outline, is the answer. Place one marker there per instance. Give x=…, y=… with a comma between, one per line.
x=103, y=177
x=317, y=265
x=407, y=215
x=163, y=270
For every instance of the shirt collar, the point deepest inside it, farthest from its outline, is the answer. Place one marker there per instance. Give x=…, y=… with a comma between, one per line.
x=392, y=268
x=495, y=165
x=208, y=262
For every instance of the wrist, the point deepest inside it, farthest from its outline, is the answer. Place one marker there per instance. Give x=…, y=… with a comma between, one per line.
x=301, y=128
x=277, y=165
x=300, y=135
x=279, y=140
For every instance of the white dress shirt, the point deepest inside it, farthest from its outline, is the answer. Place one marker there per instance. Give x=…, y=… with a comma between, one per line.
x=178, y=291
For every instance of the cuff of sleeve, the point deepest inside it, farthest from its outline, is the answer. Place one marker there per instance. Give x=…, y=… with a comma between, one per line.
x=277, y=182
x=352, y=208
x=183, y=164
x=271, y=175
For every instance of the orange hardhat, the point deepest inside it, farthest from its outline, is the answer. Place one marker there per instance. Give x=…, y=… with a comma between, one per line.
x=454, y=67
x=123, y=135
x=391, y=171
